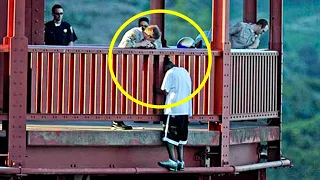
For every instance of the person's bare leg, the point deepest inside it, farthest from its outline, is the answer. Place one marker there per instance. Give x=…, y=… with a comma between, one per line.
x=180, y=161
x=171, y=164
x=170, y=149
x=180, y=152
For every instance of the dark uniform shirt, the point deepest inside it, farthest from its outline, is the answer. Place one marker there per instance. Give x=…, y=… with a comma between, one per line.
x=59, y=35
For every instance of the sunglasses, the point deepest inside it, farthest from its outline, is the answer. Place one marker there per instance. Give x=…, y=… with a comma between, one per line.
x=58, y=13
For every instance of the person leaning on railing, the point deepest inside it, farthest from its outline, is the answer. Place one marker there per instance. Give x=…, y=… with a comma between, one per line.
x=139, y=38
x=246, y=35
x=144, y=23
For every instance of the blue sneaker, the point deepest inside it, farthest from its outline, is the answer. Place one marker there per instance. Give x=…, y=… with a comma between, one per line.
x=170, y=165
x=180, y=165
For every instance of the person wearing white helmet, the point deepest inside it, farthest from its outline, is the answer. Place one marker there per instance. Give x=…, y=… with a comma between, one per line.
x=187, y=42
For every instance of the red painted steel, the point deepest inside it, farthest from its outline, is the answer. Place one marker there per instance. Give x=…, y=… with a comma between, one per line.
x=276, y=43
x=3, y=18
x=4, y=117
x=110, y=171
x=253, y=82
x=2, y=79
x=37, y=22
x=243, y=154
x=250, y=11
x=137, y=170
x=86, y=82
x=159, y=19
x=220, y=18
x=28, y=19
x=103, y=157
x=262, y=174
x=110, y=117
x=276, y=34
x=18, y=61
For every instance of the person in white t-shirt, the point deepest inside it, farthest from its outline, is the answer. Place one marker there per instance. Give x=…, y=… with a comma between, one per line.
x=176, y=86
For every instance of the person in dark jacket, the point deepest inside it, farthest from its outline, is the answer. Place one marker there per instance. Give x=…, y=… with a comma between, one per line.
x=58, y=32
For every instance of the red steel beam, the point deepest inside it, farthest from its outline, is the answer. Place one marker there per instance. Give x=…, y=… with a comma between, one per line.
x=190, y=170
x=276, y=43
x=3, y=18
x=250, y=11
x=28, y=20
x=102, y=171
x=106, y=117
x=2, y=76
x=37, y=22
x=159, y=19
x=220, y=36
x=4, y=117
x=18, y=59
x=3, y=32
x=34, y=21
x=276, y=35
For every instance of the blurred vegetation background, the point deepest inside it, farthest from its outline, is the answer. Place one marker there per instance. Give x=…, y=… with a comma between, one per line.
x=96, y=21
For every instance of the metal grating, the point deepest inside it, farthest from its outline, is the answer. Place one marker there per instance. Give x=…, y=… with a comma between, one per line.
x=254, y=83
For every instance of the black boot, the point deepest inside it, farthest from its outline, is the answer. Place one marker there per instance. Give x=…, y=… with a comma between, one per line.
x=121, y=125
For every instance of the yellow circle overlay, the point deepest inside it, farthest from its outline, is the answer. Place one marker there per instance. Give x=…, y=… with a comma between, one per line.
x=155, y=11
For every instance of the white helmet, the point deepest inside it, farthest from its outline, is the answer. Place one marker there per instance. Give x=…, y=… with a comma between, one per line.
x=186, y=42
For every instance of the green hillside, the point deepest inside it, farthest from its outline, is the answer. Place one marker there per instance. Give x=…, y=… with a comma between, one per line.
x=95, y=22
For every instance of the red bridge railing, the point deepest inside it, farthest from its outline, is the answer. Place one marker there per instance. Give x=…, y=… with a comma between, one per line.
x=254, y=84
x=76, y=80
x=74, y=83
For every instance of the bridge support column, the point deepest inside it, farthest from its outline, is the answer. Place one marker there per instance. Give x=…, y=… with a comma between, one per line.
x=35, y=22
x=18, y=63
x=276, y=43
x=159, y=19
x=250, y=11
x=220, y=37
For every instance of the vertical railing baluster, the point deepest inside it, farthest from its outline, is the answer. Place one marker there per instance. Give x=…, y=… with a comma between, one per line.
x=98, y=84
x=44, y=83
x=55, y=83
x=34, y=82
x=65, y=83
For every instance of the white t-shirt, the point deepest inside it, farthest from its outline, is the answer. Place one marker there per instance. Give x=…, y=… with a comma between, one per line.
x=177, y=83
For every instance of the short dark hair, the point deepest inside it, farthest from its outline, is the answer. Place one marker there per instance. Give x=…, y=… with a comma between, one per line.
x=56, y=6
x=262, y=22
x=143, y=19
x=167, y=61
